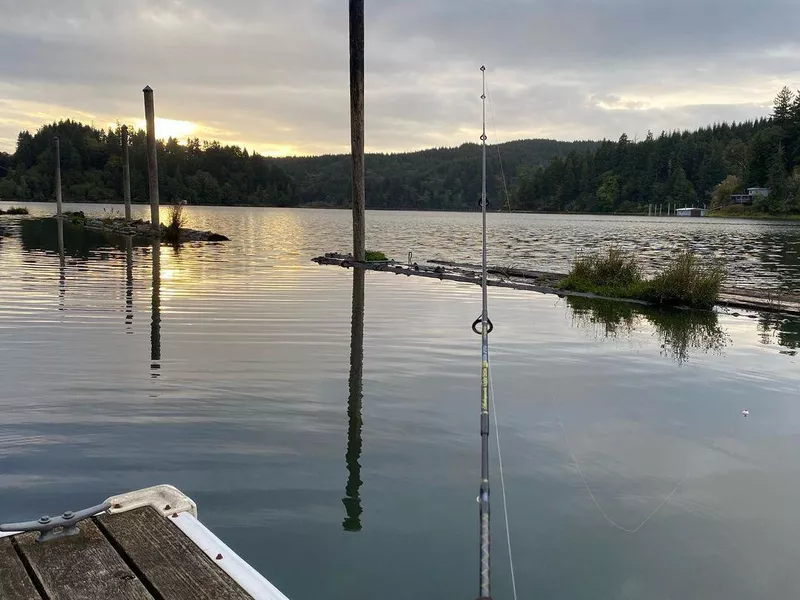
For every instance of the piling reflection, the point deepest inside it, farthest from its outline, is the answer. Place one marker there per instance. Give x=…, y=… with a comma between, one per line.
x=680, y=332
x=352, y=499
x=129, y=285
x=155, y=321
x=62, y=266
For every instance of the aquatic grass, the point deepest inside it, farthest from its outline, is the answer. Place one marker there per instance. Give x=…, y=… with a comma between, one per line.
x=176, y=220
x=687, y=281
x=110, y=215
x=375, y=256
x=615, y=274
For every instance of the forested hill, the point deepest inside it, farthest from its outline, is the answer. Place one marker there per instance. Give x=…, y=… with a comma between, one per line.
x=209, y=173
x=440, y=178
x=698, y=168
x=91, y=169
x=703, y=167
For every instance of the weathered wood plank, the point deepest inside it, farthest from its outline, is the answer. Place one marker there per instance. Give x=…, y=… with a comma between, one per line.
x=14, y=581
x=81, y=567
x=172, y=564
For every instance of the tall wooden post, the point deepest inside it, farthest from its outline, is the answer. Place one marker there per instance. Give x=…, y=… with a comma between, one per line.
x=58, y=175
x=152, y=159
x=357, y=124
x=126, y=173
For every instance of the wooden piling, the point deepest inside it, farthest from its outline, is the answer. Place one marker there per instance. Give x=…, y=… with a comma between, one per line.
x=126, y=173
x=357, y=124
x=58, y=176
x=152, y=159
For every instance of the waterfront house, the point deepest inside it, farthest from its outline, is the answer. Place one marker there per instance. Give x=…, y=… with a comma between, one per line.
x=750, y=196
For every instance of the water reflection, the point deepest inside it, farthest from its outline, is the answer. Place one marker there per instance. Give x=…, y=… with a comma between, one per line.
x=352, y=499
x=64, y=239
x=679, y=332
x=155, y=321
x=780, y=257
x=129, y=284
x=781, y=330
x=62, y=264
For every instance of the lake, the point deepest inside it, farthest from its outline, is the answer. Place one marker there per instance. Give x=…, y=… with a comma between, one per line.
x=338, y=451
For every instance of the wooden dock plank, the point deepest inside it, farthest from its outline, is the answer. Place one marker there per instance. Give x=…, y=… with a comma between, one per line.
x=172, y=564
x=14, y=581
x=81, y=567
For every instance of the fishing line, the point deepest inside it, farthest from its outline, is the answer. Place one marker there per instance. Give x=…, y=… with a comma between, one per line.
x=502, y=482
x=588, y=488
x=497, y=145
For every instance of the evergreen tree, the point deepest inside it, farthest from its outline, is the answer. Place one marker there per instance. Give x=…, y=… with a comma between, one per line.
x=782, y=107
x=778, y=183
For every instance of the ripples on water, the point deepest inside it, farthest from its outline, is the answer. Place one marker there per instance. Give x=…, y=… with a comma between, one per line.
x=334, y=442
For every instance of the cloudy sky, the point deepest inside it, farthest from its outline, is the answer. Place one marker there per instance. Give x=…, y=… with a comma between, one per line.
x=273, y=74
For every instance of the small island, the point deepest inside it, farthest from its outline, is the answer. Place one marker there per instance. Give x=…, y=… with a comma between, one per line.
x=173, y=232
x=14, y=210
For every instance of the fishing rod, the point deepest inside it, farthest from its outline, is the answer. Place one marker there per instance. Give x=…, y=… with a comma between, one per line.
x=484, y=331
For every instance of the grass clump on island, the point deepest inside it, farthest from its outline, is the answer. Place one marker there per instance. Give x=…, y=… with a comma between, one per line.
x=687, y=281
x=15, y=210
x=176, y=220
x=375, y=256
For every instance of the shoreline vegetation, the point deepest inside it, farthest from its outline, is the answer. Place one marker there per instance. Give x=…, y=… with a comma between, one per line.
x=741, y=212
x=670, y=169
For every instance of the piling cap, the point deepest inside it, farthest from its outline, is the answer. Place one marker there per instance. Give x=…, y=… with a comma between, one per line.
x=147, y=88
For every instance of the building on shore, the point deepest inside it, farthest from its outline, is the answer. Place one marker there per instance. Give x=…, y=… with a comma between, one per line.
x=750, y=196
x=691, y=211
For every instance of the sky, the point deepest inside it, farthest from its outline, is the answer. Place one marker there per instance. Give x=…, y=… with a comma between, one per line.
x=272, y=75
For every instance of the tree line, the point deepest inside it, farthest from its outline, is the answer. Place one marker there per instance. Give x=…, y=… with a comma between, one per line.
x=682, y=168
x=700, y=168
x=91, y=169
x=210, y=173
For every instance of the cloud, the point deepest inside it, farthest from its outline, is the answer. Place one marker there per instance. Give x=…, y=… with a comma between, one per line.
x=274, y=75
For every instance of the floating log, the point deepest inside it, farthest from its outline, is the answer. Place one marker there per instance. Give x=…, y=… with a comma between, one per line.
x=545, y=282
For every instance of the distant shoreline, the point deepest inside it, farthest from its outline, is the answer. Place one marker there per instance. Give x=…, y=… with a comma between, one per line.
x=711, y=215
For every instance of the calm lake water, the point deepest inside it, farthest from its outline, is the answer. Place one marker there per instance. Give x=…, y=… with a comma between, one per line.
x=338, y=450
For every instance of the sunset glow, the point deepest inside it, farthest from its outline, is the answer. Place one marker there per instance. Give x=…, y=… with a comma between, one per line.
x=171, y=128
